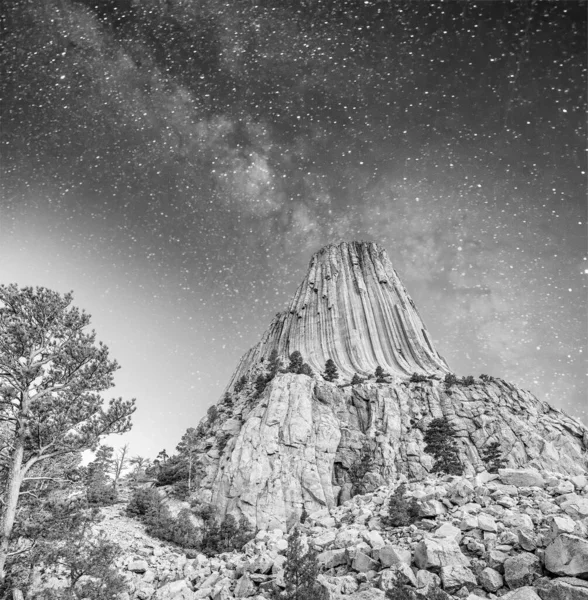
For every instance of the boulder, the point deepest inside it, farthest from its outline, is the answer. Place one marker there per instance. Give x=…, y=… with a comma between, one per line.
x=329, y=559
x=563, y=588
x=521, y=477
x=244, y=588
x=437, y=553
x=456, y=577
x=521, y=570
x=138, y=566
x=491, y=580
x=363, y=563
x=524, y=593
x=567, y=555
x=396, y=576
x=393, y=555
x=176, y=590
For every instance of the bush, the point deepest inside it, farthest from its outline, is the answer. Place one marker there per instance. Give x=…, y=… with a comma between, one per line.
x=260, y=385
x=418, y=378
x=486, y=378
x=380, y=375
x=212, y=414
x=240, y=384
x=274, y=363
x=401, y=511
x=305, y=370
x=440, y=443
x=450, y=379
x=142, y=500
x=492, y=457
x=228, y=536
x=468, y=380
x=356, y=379
x=101, y=495
x=296, y=362
x=360, y=467
x=331, y=373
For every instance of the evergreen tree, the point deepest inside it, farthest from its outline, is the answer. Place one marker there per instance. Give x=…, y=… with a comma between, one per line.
x=51, y=374
x=296, y=362
x=440, y=443
x=380, y=375
x=305, y=370
x=492, y=457
x=274, y=363
x=241, y=383
x=401, y=512
x=99, y=489
x=260, y=384
x=356, y=379
x=331, y=373
x=300, y=572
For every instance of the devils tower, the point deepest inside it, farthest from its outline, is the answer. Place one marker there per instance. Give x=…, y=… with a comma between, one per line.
x=280, y=442
x=352, y=308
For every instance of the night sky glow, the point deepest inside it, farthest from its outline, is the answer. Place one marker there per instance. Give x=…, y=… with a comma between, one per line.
x=175, y=163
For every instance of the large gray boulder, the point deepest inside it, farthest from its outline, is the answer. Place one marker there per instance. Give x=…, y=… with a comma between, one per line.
x=521, y=570
x=567, y=555
x=432, y=553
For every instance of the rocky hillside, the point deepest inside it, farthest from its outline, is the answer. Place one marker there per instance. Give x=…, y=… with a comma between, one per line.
x=520, y=535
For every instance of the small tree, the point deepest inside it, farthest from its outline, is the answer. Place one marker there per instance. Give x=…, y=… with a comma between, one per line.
x=241, y=383
x=260, y=385
x=401, y=512
x=468, y=381
x=274, y=363
x=493, y=458
x=51, y=373
x=300, y=572
x=296, y=362
x=440, y=443
x=418, y=378
x=331, y=373
x=381, y=375
x=362, y=465
x=188, y=450
x=99, y=489
x=140, y=464
x=356, y=379
x=450, y=379
x=305, y=370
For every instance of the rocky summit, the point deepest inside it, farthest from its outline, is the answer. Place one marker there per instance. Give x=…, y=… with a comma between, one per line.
x=279, y=443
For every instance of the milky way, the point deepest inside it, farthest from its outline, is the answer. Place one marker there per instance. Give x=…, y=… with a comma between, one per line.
x=177, y=162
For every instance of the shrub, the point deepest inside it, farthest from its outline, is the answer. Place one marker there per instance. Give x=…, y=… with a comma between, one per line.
x=142, y=500
x=260, y=385
x=274, y=363
x=486, y=378
x=401, y=511
x=212, y=414
x=228, y=536
x=305, y=370
x=440, y=443
x=468, y=380
x=241, y=384
x=172, y=471
x=380, y=375
x=331, y=373
x=418, y=378
x=492, y=457
x=450, y=379
x=101, y=495
x=356, y=379
x=296, y=362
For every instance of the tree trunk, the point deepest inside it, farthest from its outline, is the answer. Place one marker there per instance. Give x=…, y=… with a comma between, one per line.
x=15, y=476
x=17, y=595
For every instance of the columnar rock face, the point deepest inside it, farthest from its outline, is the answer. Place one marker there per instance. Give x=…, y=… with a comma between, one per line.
x=305, y=443
x=352, y=308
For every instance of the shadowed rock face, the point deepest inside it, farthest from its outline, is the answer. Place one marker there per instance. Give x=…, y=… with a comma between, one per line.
x=352, y=308
x=296, y=445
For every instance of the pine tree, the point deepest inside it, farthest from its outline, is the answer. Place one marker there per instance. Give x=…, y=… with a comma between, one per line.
x=356, y=379
x=401, y=512
x=296, y=362
x=331, y=373
x=274, y=363
x=492, y=457
x=300, y=572
x=440, y=443
x=380, y=375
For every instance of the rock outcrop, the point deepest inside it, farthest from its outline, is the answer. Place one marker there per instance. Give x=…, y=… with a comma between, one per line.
x=302, y=442
x=352, y=308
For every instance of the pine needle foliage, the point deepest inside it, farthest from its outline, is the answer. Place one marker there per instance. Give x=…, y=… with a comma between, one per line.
x=493, y=458
x=401, y=511
x=440, y=443
x=331, y=373
x=300, y=572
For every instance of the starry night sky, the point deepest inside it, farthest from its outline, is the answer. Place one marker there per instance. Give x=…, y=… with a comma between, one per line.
x=176, y=162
